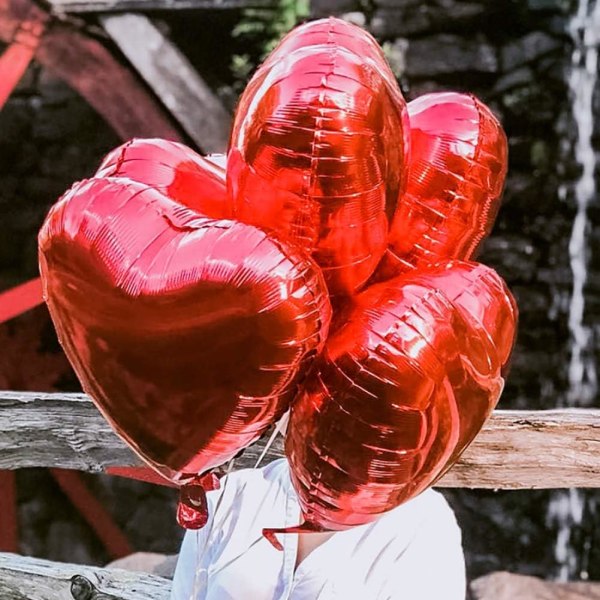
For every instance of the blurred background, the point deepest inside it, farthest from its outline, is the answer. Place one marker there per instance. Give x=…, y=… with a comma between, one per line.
x=534, y=62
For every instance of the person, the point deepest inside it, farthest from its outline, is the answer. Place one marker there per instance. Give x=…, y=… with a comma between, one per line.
x=413, y=552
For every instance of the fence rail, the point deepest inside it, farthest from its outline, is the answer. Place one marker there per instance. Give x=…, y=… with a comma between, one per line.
x=107, y=6
x=515, y=450
x=23, y=578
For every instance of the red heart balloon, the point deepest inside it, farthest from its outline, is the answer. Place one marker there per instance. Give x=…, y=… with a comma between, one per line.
x=190, y=334
x=174, y=170
x=458, y=163
x=318, y=147
x=398, y=393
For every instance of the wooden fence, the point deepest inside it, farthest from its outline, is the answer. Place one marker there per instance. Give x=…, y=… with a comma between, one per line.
x=515, y=450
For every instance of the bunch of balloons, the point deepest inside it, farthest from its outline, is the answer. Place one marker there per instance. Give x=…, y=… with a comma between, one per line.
x=325, y=269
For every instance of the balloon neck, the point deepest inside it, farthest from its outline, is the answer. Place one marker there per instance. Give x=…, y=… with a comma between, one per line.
x=270, y=533
x=192, y=509
x=210, y=482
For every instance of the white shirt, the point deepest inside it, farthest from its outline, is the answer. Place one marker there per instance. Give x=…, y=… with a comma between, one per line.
x=410, y=553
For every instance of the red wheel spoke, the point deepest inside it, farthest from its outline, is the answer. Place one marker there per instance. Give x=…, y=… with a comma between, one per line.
x=145, y=474
x=20, y=299
x=114, y=540
x=16, y=58
x=9, y=539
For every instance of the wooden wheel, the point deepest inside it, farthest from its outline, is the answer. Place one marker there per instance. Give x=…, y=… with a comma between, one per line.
x=130, y=108
x=84, y=63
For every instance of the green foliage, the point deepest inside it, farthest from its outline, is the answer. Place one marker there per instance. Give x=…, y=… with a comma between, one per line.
x=261, y=29
x=540, y=155
x=241, y=67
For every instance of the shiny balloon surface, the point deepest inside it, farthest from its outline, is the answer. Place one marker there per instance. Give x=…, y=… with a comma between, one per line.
x=400, y=390
x=192, y=295
x=457, y=167
x=318, y=149
x=173, y=169
x=189, y=333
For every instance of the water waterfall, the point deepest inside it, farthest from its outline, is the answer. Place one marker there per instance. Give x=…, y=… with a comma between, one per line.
x=568, y=508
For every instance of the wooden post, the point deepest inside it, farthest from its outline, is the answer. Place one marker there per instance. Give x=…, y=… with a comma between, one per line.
x=170, y=75
x=9, y=540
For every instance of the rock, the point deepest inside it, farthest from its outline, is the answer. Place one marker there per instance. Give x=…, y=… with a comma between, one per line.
x=9, y=185
x=11, y=248
x=123, y=497
x=531, y=104
x=162, y=565
x=34, y=512
x=519, y=151
x=327, y=8
x=356, y=18
x=15, y=124
x=28, y=220
x=554, y=69
x=153, y=525
x=25, y=158
x=43, y=191
x=519, y=184
x=167, y=567
x=519, y=78
x=528, y=49
x=58, y=122
x=596, y=111
x=412, y=19
x=28, y=82
x=533, y=302
x=52, y=89
x=398, y=4
x=508, y=586
x=498, y=533
x=444, y=54
x=69, y=162
x=420, y=88
x=515, y=255
x=546, y=5
x=67, y=542
x=387, y=23
x=558, y=25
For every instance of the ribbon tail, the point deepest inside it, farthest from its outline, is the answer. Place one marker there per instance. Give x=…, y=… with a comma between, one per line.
x=270, y=533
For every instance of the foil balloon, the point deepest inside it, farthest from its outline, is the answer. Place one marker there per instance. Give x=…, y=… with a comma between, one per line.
x=173, y=169
x=457, y=168
x=318, y=147
x=398, y=393
x=190, y=334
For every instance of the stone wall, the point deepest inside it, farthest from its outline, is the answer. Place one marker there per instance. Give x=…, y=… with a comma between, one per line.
x=48, y=138
x=515, y=56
